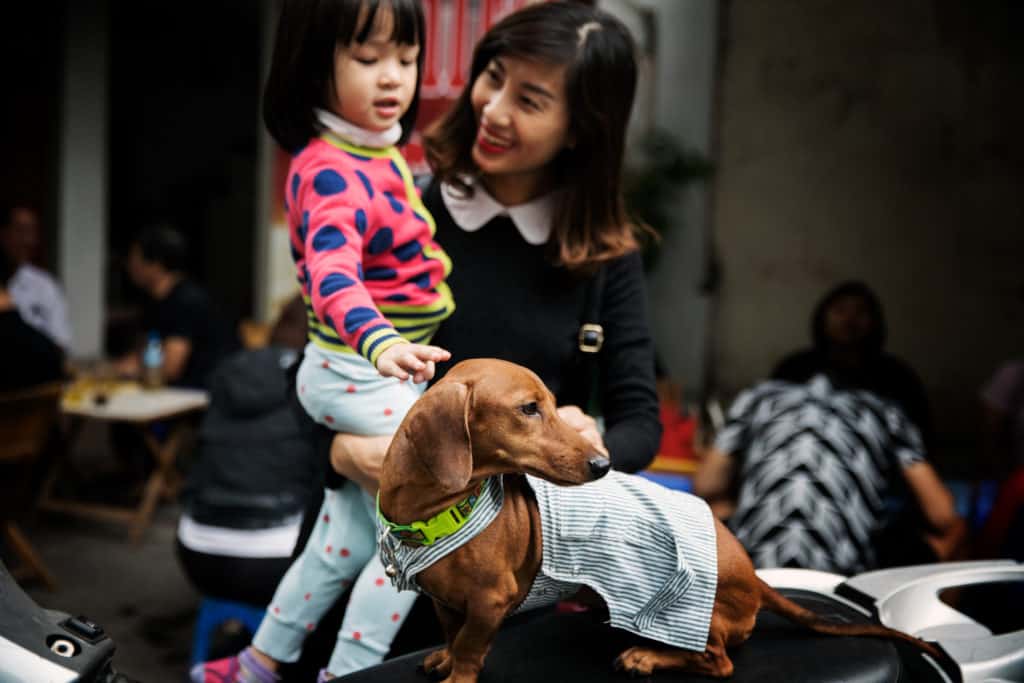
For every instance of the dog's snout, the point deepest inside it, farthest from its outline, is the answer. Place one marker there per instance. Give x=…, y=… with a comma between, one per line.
x=599, y=466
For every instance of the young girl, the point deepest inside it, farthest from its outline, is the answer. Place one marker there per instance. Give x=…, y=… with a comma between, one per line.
x=342, y=91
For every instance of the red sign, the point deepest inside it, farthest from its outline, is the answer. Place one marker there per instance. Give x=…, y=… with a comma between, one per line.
x=453, y=29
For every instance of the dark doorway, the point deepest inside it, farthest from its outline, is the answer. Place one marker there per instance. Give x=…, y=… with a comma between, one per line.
x=184, y=134
x=31, y=63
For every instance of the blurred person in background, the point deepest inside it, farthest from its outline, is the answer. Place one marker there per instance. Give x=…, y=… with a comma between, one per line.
x=849, y=332
x=27, y=356
x=255, y=473
x=35, y=292
x=193, y=334
x=808, y=465
x=1002, y=401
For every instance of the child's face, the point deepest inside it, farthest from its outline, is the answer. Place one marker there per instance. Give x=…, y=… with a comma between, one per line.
x=375, y=81
x=523, y=117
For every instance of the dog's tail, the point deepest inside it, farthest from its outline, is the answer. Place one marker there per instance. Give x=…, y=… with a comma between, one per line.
x=773, y=601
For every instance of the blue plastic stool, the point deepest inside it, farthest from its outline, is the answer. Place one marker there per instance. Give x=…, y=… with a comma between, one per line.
x=670, y=480
x=212, y=613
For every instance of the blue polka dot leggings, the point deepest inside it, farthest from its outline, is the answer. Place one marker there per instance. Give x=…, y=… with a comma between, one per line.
x=346, y=393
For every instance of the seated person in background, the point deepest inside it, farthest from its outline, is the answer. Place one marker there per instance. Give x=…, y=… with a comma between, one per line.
x=812, y=456
x=814, y=466
x=35, y=292
x=1002, y=400
x=849, y=333
x=255, y=472
x=27, y=356
x=194, y=336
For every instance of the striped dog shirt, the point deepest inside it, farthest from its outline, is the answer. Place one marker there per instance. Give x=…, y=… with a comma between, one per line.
x=649, y=552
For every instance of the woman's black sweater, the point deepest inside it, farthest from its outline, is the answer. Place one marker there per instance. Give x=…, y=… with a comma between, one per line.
x=511, y=303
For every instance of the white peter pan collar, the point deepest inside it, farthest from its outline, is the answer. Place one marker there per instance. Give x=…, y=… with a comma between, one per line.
x=359, y=137
x=532, y=219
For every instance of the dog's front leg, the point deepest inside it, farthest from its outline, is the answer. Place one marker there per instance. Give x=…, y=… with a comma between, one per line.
x=473, y=640
x=438, y=664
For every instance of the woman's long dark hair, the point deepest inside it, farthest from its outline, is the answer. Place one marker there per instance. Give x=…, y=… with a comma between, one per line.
x=590, y=222
x=302, y=67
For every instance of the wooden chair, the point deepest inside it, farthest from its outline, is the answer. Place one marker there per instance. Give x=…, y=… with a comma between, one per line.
x=27, y=420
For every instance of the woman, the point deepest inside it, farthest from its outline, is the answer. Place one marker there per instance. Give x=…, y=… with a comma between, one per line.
x=528, y=204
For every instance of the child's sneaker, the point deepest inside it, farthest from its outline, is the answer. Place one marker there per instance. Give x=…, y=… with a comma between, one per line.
x=241, y=668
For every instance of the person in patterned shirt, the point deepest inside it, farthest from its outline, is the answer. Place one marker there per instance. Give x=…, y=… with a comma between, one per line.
x=815, y=466
x=342, y=92
x=807, y=463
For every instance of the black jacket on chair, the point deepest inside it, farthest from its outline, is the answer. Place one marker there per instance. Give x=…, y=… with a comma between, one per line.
x=257, y=463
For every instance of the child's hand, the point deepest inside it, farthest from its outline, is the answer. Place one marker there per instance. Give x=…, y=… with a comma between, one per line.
x=401, y=359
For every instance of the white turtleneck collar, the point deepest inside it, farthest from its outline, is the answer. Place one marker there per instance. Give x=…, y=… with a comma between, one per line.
x=359, y=137
x=532, y=219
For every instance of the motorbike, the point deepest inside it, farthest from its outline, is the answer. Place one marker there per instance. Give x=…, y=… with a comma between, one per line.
x=974, y=612
x=39, y=645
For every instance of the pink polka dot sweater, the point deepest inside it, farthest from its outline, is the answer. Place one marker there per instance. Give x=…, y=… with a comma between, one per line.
x=362, y=241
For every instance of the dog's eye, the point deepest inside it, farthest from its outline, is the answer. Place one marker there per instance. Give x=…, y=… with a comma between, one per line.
x=530, y=408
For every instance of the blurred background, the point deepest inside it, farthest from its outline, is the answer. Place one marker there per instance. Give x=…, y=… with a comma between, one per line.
x=843, y=140
x=780, y=147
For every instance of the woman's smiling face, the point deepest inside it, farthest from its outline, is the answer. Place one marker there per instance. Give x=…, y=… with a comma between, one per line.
x=522, y=115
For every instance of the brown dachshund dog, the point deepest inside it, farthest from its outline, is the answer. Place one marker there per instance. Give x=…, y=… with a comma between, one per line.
x=490, y=417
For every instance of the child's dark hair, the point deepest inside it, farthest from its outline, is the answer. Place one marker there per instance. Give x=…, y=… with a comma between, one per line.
x=162, y=243
x=590, y=224
x=302, y=68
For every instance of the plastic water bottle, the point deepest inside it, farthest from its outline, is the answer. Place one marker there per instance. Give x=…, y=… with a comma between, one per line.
x=152, y=362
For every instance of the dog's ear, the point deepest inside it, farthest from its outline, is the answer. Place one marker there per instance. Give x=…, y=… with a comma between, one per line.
x=439, y=431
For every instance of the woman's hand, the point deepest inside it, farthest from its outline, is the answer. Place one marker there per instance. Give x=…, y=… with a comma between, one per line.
x=359, y=458
x=584, y=424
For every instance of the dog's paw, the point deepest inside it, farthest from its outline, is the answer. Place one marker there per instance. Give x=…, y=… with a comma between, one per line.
x=636, y=661
x=437, y=664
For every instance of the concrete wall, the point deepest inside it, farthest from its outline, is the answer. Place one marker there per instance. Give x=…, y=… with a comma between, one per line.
x=881, y=141
x=676, y=93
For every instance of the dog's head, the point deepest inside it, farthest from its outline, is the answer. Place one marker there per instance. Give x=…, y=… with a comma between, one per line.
x=490, y=417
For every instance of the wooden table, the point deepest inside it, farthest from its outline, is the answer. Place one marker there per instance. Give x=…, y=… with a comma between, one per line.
x=128, y=403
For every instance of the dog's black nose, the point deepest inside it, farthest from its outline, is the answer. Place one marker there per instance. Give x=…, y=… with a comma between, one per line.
x=599, y=466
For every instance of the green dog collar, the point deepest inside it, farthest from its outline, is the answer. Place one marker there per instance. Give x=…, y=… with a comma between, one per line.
x=444, y=523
